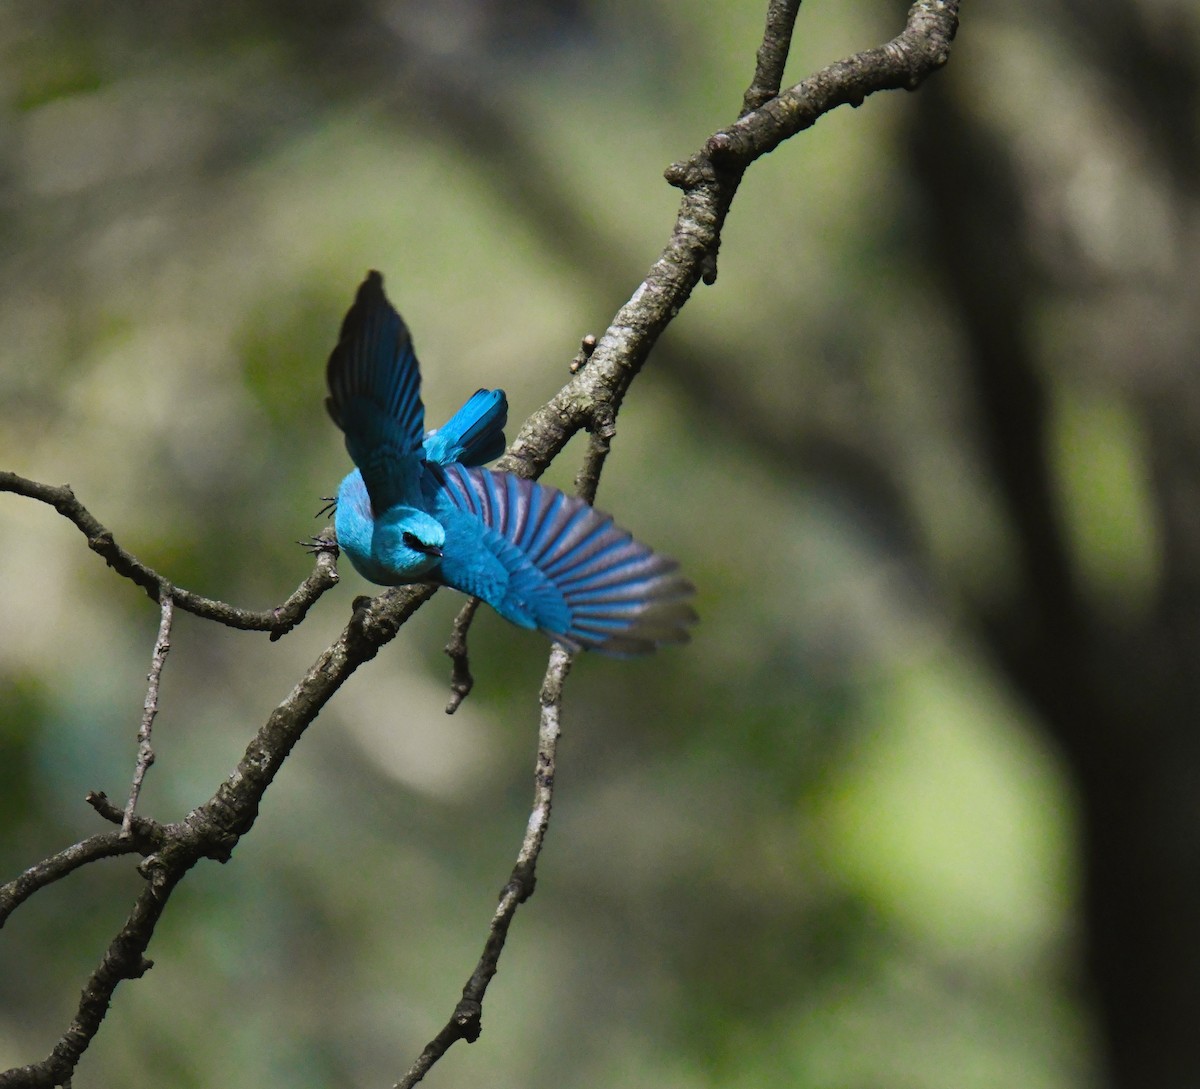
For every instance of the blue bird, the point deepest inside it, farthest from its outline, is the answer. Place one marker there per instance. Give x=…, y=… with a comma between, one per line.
x=419, y=507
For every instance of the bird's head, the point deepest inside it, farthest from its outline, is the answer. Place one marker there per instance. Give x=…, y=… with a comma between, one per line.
x=408, y=543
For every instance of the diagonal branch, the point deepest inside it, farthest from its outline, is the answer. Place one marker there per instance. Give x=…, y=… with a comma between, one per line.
x=122, y=960
x=466, y=1023
x=709, y=179
x=904, y=63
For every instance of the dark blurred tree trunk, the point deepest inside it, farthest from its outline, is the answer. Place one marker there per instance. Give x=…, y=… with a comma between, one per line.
x=1120, y=694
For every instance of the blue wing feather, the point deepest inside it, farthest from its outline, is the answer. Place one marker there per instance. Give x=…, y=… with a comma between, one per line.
x=474, y=434
x=544, y=559
x=375, y=396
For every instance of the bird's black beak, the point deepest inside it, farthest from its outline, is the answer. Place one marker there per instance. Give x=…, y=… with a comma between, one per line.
x=431, y=550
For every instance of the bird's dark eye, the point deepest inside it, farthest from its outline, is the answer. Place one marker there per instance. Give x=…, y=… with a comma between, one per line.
x=411, y=540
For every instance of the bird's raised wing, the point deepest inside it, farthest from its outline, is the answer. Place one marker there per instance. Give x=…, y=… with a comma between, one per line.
x=375, y=396
x=548, y=560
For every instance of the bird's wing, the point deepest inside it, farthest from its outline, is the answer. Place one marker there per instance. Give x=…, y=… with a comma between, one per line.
x=474, y=435
x=375, y=396
x=570, y=571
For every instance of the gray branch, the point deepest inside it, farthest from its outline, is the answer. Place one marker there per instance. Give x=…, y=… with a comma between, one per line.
x=278, y=621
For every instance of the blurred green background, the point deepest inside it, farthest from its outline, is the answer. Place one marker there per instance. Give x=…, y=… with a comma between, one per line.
x=917, y=808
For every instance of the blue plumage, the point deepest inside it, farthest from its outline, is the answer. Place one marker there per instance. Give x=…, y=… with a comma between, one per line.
x=375, y=396
x=419, y=507
x=474, y=435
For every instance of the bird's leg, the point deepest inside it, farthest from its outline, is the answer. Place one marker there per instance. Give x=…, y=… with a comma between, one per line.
x=325, y=541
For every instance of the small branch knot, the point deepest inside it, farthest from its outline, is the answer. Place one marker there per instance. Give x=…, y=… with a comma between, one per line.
x=721, y=145
x=523, y=880
x=603, y=422
x=690, y=174
x=586, y=347
x=468, y=1018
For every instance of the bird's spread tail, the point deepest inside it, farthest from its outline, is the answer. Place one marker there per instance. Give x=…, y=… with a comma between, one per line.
x=474, y=435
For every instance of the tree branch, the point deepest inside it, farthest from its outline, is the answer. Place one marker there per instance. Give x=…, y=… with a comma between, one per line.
x=603, y=372
x=149, y=709
x=104, y=845
x=278, y=621
x=709, y=179
x=461, y=680
x=772, y=55
x=466, y=1023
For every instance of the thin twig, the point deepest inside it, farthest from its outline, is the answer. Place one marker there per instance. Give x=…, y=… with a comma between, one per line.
x=278, y=621
x=772, y=55
x=461, y=681
x=601, y=434
x=145, y=757
x=142, y=826
x=103, y=845
x=466, y=1023
x=904, y=63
